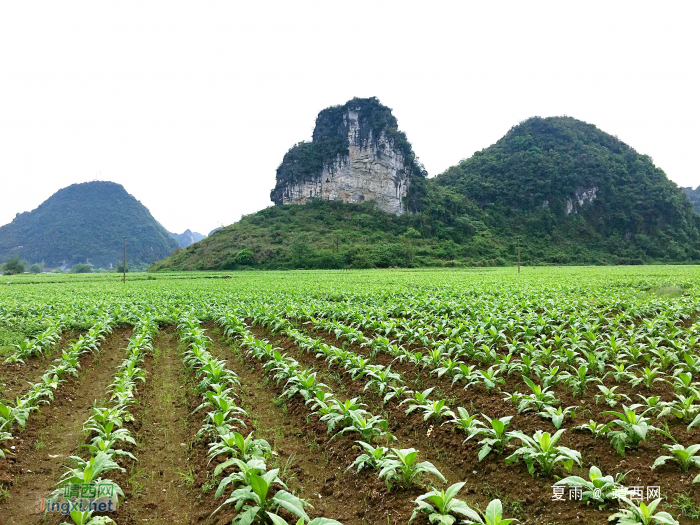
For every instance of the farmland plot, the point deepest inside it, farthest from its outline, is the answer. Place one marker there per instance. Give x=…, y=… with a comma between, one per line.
x=364, y=397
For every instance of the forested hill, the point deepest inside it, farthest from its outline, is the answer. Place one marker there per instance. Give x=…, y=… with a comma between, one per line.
x=572, y=193
x=563, y=182
x=86, y=223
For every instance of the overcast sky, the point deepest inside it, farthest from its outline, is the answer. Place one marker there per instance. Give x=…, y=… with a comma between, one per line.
x=191, y=106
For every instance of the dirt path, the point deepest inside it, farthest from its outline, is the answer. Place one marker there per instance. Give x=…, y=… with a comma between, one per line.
x=162, y=487
x=15, y=377
x=55, y=433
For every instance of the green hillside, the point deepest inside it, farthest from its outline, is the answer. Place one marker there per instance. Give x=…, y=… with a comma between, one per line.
x=563, y=182
x=86, y=223
x=320, y=234
x=572, y=193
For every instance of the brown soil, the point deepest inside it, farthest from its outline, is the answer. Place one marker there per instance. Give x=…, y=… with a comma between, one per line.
x=164, y=486
x=54, y=433
x=15, y=378
x=527, y=498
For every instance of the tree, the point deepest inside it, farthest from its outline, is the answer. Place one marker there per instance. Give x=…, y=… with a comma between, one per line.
x=81, y=268
x=244, y=256
x=337, y=238
x=36, y=268
x=13, y=266
x=301, y=250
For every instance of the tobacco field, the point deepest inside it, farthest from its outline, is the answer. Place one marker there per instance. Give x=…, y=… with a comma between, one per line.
x=552, y=396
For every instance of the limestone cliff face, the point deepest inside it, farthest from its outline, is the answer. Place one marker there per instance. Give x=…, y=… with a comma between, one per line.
x=357, y=154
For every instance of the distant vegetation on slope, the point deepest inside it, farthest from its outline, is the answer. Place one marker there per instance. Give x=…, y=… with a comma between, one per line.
x=323, y=234
x=86, y=223
x=694, y=196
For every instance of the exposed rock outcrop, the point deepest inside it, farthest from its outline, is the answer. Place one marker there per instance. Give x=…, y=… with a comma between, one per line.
x=357, y=154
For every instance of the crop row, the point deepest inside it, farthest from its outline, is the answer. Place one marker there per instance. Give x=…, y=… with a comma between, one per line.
x=37, y=345
x=42, y=392
x=82, y=489
x=625, y=431
x=576, y=375
x=254, y=483
x=399, y=468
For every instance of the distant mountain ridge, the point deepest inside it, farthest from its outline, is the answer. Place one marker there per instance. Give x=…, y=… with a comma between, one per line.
x=87, y=223
x=187, y=238
x=565, y=191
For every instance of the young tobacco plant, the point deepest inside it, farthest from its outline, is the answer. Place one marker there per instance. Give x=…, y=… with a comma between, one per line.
x=594, y=428
x=402, y=469
x=648, y=377
x=369, y=428
x=418, y=400
x=557, y=415
x=468, y=374
x=685, y=457
x=493, y=515
x=642, y=514
x=469, y=424
x=621, y=372
x=490, y=378
x=304, y=383
x=651, y=404
x=609, y=395
x=597, y=488
x=396, y=392
x=683, y=384
x=448, y=366
x=340, y=413
x=4, y=436
x=632, y=429
x=245, y=448
x=541, y=450
x=86, y=518
x=371, y=458
x=442, y=507
x=381, y=380
x=254, y=505
x=90, y=470
x=682, y=407
x=538, y=399
x=578, y=380
x=496, y=436
x=437, y=410
x=245, y=469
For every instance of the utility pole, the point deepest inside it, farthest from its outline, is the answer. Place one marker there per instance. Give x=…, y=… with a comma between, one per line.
x=518, y=253
x=124, y=267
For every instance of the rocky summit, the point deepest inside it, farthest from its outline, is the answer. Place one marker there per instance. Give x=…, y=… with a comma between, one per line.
x=357, y=154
